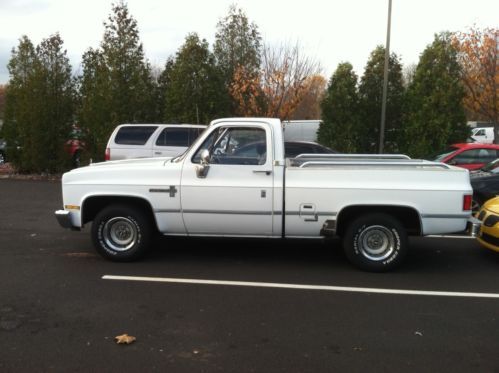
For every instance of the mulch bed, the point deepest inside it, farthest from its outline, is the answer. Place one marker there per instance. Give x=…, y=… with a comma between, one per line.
x=8, y=172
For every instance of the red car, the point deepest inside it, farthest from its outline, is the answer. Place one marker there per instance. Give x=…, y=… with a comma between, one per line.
x=75, y=146
x=469, y=155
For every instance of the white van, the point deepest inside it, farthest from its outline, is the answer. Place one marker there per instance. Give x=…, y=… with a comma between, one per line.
x=484, y=135
x=301, y=130
x=151, y=140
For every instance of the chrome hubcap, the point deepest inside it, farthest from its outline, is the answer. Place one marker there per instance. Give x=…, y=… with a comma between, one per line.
x=376, y=242
x=120, y=233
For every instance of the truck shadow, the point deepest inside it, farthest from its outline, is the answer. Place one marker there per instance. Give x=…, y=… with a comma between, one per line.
x=248, y=249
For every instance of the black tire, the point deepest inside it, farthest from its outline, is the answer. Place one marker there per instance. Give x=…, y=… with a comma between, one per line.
x=375, y=242
x=121, y=233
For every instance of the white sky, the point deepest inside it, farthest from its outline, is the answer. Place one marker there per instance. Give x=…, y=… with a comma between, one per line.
x=330, y=31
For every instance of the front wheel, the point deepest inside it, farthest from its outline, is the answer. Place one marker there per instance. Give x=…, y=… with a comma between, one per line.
x=375, y=242
x=121, y=233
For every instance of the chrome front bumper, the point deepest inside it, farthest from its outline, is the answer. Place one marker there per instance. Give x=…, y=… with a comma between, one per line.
x=64, y=219
x=473, y=226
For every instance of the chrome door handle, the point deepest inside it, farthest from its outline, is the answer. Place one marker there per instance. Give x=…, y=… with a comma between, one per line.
x=266, y=172
x=158, y=153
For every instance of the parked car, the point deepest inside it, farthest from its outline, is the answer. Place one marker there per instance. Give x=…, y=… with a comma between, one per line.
x=151, y=140
x=485, y=183
x=291, y=149
x=489, y=230
x=472, y=156
x=484, y=135
x=3, y=157
x=294, y=148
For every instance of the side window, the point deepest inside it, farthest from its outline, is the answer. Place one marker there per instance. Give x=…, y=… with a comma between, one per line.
x=194, y=134
x=467, y=157
x=241, y=146
x=134, y=135
x=173, y=137
x=176, y=136
x=476, y=156
x=487, y=155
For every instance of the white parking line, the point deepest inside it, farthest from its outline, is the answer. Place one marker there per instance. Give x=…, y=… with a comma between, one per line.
x=302, y=287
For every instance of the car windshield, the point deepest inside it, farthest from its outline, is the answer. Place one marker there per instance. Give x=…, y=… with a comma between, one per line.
x=491, y=167
x=441, y=155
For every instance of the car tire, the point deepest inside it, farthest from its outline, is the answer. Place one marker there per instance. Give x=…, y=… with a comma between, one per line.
x=375, y=242
x=121, y=233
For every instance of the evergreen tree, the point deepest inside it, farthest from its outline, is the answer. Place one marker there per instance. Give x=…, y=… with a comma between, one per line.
x=370, y=94
x=56, y=106
x=196, y=92
x=435, y=113
x=95, y=103
x=119, y=75
x=237, y=44
x=164, y=81
x=18, y=100
x=237, y=47
x=340, y=127
x=39, y=105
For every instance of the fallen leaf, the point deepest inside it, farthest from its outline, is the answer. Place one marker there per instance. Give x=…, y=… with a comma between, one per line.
x=125, y=339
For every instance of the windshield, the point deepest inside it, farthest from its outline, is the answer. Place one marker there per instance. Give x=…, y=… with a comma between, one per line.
x=491, y=166
x=442, y=155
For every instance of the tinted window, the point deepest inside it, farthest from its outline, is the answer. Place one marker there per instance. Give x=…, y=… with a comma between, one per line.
x=440, y=156
x=134, y=135
x=476, y=156
x=292, y=149
x=178, y=136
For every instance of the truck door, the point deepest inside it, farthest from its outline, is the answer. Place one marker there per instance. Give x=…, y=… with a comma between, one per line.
x=234, y=197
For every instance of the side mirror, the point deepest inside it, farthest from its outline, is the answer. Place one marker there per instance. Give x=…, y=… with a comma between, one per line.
x=203, y=168
x=205, y=157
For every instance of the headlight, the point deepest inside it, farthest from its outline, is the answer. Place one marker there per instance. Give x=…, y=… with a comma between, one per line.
x=491, y=220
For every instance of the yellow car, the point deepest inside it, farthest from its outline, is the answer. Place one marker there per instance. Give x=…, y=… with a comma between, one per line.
x=489, y=231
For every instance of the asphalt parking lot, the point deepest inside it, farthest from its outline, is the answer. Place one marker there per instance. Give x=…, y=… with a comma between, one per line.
x=60, y=307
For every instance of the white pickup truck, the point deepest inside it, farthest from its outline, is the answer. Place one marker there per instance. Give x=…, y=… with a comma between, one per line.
x=235, y=181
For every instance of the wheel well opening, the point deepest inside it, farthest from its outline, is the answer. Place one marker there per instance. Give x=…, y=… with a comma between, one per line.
x=407, y=216
x=93, y=205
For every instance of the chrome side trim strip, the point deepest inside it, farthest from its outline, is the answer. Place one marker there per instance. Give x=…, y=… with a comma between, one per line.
x=228, y=212
x=445, y=216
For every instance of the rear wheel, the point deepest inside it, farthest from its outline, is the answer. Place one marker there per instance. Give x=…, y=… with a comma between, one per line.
x=375, y=242
x=121, y=233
